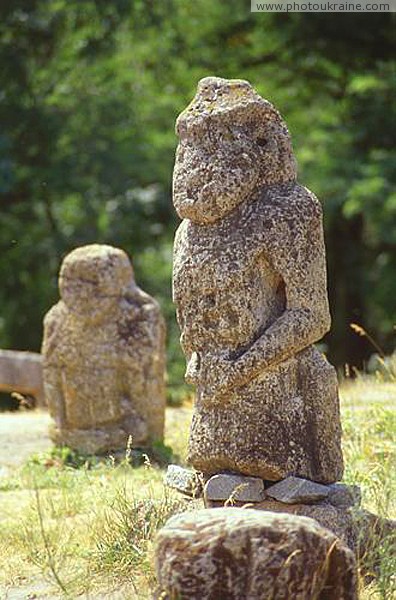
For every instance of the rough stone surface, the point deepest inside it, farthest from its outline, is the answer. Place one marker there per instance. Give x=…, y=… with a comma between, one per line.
x=294, y=490
x=339, y=520
x=341, y=494
x=234, y=487
x=22, y=372
x=233, y=553
x=184, y=480
x=103, y=352
x=249, y=284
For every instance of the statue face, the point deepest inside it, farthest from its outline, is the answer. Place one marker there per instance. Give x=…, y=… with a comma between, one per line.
x=215, y=170
x=86, y=298
x=232, y=142
x=92, y=278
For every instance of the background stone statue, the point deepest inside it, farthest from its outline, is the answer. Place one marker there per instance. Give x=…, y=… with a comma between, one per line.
x=103, y=352
x=250, y=290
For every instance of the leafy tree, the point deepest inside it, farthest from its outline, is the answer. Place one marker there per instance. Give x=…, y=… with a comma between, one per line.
x=90, y=93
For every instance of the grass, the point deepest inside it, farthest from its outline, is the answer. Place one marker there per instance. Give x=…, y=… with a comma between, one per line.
x=368, y=409
x=89, y=531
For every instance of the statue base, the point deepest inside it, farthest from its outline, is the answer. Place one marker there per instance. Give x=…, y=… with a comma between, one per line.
x=91, y=441
x=335, y=506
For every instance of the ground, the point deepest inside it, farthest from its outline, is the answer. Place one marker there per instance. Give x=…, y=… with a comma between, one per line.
x=90, y=530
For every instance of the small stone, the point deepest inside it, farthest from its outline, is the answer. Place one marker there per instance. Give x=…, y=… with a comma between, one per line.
x=341, y=494
x=234, y=487
x=294, y=490
x=235, y=553
x=183, y=480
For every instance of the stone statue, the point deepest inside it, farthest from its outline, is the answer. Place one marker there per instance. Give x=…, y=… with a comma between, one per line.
x=250, y=289
x=104, y=356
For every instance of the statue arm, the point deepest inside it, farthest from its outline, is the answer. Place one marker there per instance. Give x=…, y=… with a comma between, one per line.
x=144, y=366
x=298, y=327
x=305, y=320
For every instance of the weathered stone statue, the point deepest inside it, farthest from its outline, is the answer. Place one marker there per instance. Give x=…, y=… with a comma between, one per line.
x=103, y=353
x=250, y=289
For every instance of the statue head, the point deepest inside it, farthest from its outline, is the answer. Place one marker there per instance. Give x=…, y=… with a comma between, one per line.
x=93, y=277
x=232, y=142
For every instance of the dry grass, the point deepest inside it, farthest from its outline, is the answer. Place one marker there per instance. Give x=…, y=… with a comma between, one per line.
x=89, y=531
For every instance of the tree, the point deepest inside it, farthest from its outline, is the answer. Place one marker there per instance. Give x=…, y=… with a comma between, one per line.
x=91, y=90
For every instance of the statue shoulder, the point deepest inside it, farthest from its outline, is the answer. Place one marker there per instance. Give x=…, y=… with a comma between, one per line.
x=53, y=321
x=140, y=313
x=287, y=203
x=181, y=235
x=286, y=224
x=312, y=208
x=55, y=316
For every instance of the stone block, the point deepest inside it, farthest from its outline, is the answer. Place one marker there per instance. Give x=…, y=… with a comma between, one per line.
x=341, y=494
x=228, y=487
x=294, y=490
x=235, y=553
x=183, y=480
x=338, y=520
x=22, y=372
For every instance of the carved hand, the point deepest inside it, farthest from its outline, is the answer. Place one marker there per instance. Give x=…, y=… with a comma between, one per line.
x=217, y=375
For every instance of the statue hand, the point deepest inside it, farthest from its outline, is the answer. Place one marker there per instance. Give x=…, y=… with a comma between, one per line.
x=218, y=375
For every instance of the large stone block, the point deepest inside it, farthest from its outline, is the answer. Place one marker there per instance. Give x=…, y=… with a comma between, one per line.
x=22, y=372
x=235, y=553
x=103, y=352
x=249, y=283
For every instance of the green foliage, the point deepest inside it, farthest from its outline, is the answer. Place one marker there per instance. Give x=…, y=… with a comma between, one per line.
x=90, y=92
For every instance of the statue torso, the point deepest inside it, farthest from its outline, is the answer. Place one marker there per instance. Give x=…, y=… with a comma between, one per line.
x=227, y=278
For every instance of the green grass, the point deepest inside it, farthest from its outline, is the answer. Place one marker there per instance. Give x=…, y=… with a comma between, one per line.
x=89, y=531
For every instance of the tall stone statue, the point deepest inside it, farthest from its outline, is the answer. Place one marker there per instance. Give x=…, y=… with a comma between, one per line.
x=250, y=290
x=104, y=355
